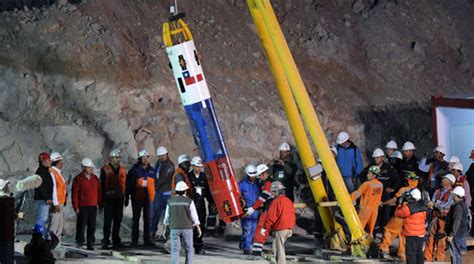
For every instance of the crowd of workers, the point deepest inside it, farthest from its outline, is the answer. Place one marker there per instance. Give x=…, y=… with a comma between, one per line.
x=422, y=202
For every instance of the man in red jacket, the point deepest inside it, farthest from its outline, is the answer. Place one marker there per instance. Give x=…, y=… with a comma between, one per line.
x=281, y=218
x=413, y=212
x=86, y=197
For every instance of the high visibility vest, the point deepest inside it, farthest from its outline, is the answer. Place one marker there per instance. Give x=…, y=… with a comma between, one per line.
x=115, y=184
x=61, y=187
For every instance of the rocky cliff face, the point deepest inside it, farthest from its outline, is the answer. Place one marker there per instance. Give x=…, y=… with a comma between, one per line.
x=84, y=78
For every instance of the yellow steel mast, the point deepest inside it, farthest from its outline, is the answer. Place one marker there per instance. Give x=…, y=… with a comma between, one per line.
x=291, y=88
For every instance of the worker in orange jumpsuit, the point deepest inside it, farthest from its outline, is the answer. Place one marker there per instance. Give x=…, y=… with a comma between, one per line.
x=394, y=227
x=440, y=203
x=370, y=194
x=182, y=174
x=262, y=203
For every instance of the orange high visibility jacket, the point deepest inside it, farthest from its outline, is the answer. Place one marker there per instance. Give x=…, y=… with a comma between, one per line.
x=189, y=192
x=61, y=187
x=281, y=214
x=413, y=220
x=370, y=193
x=113, y=181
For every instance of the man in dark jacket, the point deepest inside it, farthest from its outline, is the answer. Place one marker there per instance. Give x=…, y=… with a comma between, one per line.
x=201, y=194
x=164, y=174
x=39, y=249
x=141, y=189
x=456, y=224
x=470, y=180
x=113, y=183
x=44, y=193
x=435, y=168
x=410, y=163
x=284, y=170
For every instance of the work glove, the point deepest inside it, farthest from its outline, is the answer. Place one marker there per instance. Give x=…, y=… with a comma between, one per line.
x=77, y=211
x=263, y=231
x=57, y=208
x=249, y=211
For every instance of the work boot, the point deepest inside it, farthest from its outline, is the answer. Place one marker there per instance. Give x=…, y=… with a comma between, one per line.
x=118, y=245
x=90, y=247
x=134, y=244
x=149, y=243
x=105, y=245
x=247, y=252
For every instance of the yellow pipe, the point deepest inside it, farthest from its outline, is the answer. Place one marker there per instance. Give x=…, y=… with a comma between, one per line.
x=293, y=116
x=312, y=123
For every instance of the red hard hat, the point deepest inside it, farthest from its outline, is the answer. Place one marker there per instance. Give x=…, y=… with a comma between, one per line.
x=44, y=156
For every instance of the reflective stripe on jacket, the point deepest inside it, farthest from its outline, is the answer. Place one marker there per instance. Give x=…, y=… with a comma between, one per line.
x=113, y=181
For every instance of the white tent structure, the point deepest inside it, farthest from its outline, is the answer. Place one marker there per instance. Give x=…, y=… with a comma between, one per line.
x=453, y=121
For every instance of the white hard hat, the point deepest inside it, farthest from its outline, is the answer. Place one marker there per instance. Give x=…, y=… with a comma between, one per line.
x=87, y=163
x=459, y=191
x=342, y=137
x=143, y=153
x=408, y=146
x=196, y=161
x=261, y=169
x=161, y=151
x=55, y=156
x=334, y=149
x=3, y=183
x=284, y=147
x=391, y=145
x=114, y=153
x=415, y=194
x=378, y=152
x=183, y=158
x=181, y=186
x=440, y=149
x=450, y=178
x=396, y=154
x=457, y=166
x=454, y=159
x=251, y=170
x=276, y=186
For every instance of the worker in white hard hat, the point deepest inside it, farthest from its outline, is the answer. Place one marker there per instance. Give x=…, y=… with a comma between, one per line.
x=440, y=203
x=141, y=191
x=461, y=180
x=113, y=178
x=202, y=196
x=410, y=162
x=181, y=216
x=56, y=223
x=391, y=181
x=349, y=160
x=435, y=167
x=413, y=213
x=453, y=160
x=390, y=147
x=284, y=169
x=457, y=225
x=86, y=198
x=261, y=205
x=250, y=191
x=164, y=175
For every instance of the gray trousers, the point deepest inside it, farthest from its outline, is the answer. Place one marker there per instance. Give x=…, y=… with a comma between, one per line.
x=56, y=222
x=175, y=239
x=279, y=244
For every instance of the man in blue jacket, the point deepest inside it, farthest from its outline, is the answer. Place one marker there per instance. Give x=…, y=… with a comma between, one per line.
x=250, y=192
x=348, y=160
